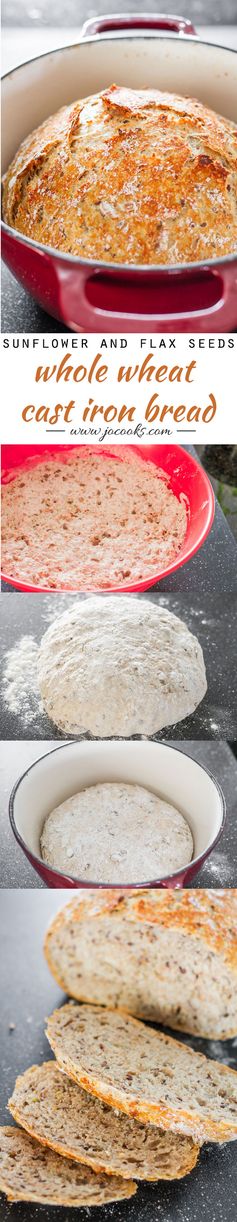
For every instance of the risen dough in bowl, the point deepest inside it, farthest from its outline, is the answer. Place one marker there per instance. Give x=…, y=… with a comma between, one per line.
x=119, y=665
x=128, y=176
x=89, y=519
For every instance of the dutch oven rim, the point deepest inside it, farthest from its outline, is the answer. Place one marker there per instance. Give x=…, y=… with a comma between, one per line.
x=197, y=862
x=96, y=265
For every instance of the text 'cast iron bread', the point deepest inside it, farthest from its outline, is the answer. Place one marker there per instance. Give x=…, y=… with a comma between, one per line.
x=168, y=956
x=104, y=1139
x=128, y=176
x=146, y=1074
x=31, y=1172
x=119, y=666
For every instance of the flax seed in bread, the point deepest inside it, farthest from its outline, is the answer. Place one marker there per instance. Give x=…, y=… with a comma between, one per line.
x=128, y=176
x=84, y=519
x=114, y=833
x=96, y=1135
x=164, y=955
x=30, y=1172
x=117, y=667
x=144, y=1073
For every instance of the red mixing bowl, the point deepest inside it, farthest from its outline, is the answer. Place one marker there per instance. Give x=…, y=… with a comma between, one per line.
x=187, y=479
x=136, y=51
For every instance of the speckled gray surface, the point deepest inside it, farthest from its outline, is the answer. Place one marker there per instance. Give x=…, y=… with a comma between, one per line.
x=212, y=618
x=220, y=869
x=28, y=995
x=69, y=12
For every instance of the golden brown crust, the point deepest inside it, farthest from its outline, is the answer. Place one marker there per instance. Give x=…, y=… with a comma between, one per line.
x=96, y=1166
x=210, y=915
x=123, y=1191
x=128, y=176
x=200, y=1126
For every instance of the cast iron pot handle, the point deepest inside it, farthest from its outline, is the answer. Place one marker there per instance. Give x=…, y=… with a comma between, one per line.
x=137, y=21
x=101, y=302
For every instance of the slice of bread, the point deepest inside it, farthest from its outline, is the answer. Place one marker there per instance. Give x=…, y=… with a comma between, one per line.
x=94, y=1134
x=30, y=1172
x=144, y=1073
x=168, y=956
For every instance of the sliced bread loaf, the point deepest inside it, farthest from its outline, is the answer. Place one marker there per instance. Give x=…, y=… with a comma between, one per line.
x=103, y=1139
x=30, y=1172
x=145, y=1073
x=168, y=956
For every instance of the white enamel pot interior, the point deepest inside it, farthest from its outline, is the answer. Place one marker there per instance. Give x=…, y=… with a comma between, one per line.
x=159, y=767
x=182, y=65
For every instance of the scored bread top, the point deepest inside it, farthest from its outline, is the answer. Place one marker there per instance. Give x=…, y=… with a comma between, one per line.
x=128, y=176
x=144, y=1073
x=30, y=1172
x=170, y=956
x=103, y=1139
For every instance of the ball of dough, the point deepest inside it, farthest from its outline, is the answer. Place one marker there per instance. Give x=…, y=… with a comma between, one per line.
x=116, y=833
x=119, y=665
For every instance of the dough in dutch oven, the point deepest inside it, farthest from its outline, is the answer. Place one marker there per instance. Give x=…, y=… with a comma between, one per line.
x=115, y=833
x=117, y=666
x=128, y=176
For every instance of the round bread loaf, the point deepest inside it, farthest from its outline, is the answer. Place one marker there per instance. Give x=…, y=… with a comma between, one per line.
x=117, y=666
x=128, y=176
x=115, y=833
x=169, y=956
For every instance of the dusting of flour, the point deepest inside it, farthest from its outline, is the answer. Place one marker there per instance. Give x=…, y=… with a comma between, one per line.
x=20, y=684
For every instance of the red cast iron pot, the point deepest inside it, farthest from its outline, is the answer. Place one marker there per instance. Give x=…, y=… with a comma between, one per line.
x=159, y=767
x=186, y=477
x=136, y=51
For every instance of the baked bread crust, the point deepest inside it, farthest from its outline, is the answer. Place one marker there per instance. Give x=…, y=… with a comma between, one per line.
x=128, y=176
x=149, y=1154
x=206, y=917
x=144, y=1073
x=47, y=1173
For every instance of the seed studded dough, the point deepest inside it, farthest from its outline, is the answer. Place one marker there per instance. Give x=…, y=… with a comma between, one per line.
x=116, y=833
x=119, y=666
x=90, y=521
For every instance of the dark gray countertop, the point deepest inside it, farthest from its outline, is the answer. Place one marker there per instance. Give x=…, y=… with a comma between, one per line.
x=20, y=312
x=28, y=994
x=220, y=869
x=212, y=618
x=71, y=12
x=212, y=570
